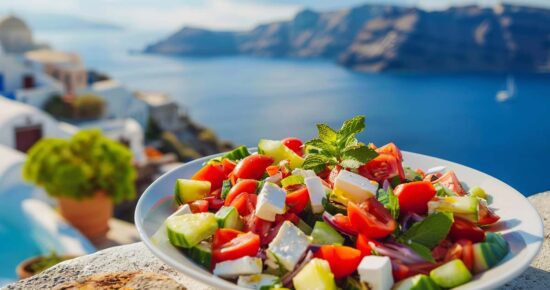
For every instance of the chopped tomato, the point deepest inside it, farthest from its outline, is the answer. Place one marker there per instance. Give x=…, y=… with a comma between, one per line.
x=294, y=144
x=486, y=215
x=272, y=170
x=252, y=166
x=343, y=260
x=392, y=149
x=333, y=174
x=244, y=185
x=455, y=252
x=213, y=173
x=325, y=173
x=383, y=167
x=297, y=200
x=421, y=172
x=224, y=235
x=342, y=221
x=401, y=271
x=414, y=196
x=441, y=250
x=228, y=166
x=450, y=181
x=243, y=245
x=467, y=253
x=257, y=225
x=276, y=225
x=362, y=244
x=200, y=205
x=464, y=229
x=371, y=218
x=214, y=202
x=244, y=203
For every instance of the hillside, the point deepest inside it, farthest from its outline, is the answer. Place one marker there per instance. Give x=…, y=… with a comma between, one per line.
x=381, y=38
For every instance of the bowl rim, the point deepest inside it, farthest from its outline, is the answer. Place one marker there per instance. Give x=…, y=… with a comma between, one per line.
x=224, y=284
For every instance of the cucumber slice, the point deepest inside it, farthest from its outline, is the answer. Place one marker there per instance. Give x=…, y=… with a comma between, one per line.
x=188, y=230
x=451, y=274
x=417, y=282
x=461, y=206
x=292, y=180
x=228, y=217
x=202, y=254
x=315, y=275
x=478, y=192
x=489, y=253
x=302, y=225
x=226, y=186
x=278, y=151
x=188, y=190
x=324, y=234
x=260, y=281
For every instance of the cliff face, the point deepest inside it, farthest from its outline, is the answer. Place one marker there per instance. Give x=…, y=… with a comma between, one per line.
x=378, y=37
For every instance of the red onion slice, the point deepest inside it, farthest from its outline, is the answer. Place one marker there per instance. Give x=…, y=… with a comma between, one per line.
x=329, y=219
x=398, y=252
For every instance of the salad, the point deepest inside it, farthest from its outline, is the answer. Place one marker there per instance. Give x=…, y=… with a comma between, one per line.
x=332, y=213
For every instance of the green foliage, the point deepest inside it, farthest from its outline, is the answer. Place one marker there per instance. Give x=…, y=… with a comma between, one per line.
x=389, y=200
x=46, y=262
x=58, y=108
x=341, y=147
x=88, y=106
x=171, y=143
x=81, y=166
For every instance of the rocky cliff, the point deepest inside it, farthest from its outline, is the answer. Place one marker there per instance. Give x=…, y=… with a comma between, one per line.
x=381, y=37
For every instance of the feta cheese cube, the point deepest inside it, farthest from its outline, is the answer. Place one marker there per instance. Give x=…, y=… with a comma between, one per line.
x=354, y=187
x=376, y=272
x=242, y=266
x=275, y=178
x=288, y=246
x=305, y=173
x=317, y=192
x=271, y=201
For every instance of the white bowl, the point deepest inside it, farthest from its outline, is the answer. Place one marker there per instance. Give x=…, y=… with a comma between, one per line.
x=520, y=223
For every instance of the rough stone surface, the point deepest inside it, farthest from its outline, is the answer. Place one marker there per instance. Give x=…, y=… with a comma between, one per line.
x=136, y=257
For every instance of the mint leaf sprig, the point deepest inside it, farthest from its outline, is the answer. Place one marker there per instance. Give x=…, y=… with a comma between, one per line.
x=340, y=147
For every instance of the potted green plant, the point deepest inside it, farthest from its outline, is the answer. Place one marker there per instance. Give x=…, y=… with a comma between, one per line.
x=38, y=264
x=86, y=174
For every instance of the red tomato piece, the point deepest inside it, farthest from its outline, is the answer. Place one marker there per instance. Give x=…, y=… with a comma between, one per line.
x=383, y=167
x=343, y=260
x=213, y=173
x=297, y=200
x=294, y=144
x=257, y=225
x=486, y=215
x=371, y=218
x=214, y=202
x=245, y=185
x=252, y=167
x=244, y=203
x=363, y=244
x=467, y=253
x=464, y=229
x=243, y=245
x=224, y=235
x=450, y=181
x=342, y=221
x=414, y=196
x=228, y=166
x=200, y=205
x=392, y=149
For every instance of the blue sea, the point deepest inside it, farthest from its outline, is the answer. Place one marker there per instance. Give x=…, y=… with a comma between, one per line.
x=451, y=116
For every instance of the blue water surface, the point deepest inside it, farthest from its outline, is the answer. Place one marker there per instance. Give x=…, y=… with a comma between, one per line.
x=451, y=116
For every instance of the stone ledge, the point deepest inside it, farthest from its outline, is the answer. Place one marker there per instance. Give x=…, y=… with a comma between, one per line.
x=136, y=257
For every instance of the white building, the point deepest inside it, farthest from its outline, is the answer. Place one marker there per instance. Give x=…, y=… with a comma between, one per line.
x=121, y=102
x=162, y=109
x=21, y=125
x=16, y=36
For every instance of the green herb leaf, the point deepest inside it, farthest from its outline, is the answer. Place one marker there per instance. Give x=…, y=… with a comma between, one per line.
x=226, y=186
x=352, y=126
x=359, y=153
x=422, y=251
x=430, y=231
x=390, y=201
x=315, y=162
x=326, y=133
x=321, y=146
x=350, y=163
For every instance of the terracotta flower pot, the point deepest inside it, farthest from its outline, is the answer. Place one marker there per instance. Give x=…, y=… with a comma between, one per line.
x=90, y=215
x=24, y=269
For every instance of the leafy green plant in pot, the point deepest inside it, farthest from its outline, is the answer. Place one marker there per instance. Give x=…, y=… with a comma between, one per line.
x=86, y=174
x=40, y=263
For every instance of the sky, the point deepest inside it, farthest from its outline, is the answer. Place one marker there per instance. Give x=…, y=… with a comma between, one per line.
x=214, y=14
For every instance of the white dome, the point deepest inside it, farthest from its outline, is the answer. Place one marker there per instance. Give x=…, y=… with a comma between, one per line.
x=15, y=35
